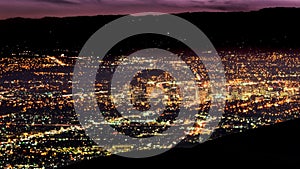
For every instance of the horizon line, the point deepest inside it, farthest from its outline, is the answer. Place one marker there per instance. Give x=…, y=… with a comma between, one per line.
x=133, y=14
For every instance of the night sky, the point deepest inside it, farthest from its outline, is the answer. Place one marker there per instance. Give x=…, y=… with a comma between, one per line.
x=61, y=8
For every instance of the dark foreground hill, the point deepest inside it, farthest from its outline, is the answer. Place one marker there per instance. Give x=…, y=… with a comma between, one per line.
x=271, y=146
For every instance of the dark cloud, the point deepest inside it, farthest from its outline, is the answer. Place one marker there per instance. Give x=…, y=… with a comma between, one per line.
x=66, y=2
x=210, y=5
x=229, y=7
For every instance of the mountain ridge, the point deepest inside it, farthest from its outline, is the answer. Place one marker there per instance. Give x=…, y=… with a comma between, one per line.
x=179, y=13
x=273, y=28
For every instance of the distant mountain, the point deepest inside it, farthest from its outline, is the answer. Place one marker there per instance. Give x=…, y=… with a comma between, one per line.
x=268, y=28
x=269, y=146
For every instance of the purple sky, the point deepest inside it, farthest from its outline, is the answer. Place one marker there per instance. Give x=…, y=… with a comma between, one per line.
x=41, y=8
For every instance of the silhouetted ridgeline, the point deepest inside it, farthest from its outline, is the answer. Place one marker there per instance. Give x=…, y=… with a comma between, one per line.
x=267, y=28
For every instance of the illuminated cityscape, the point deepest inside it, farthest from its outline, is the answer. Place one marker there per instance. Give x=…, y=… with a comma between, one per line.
x=39, y=127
